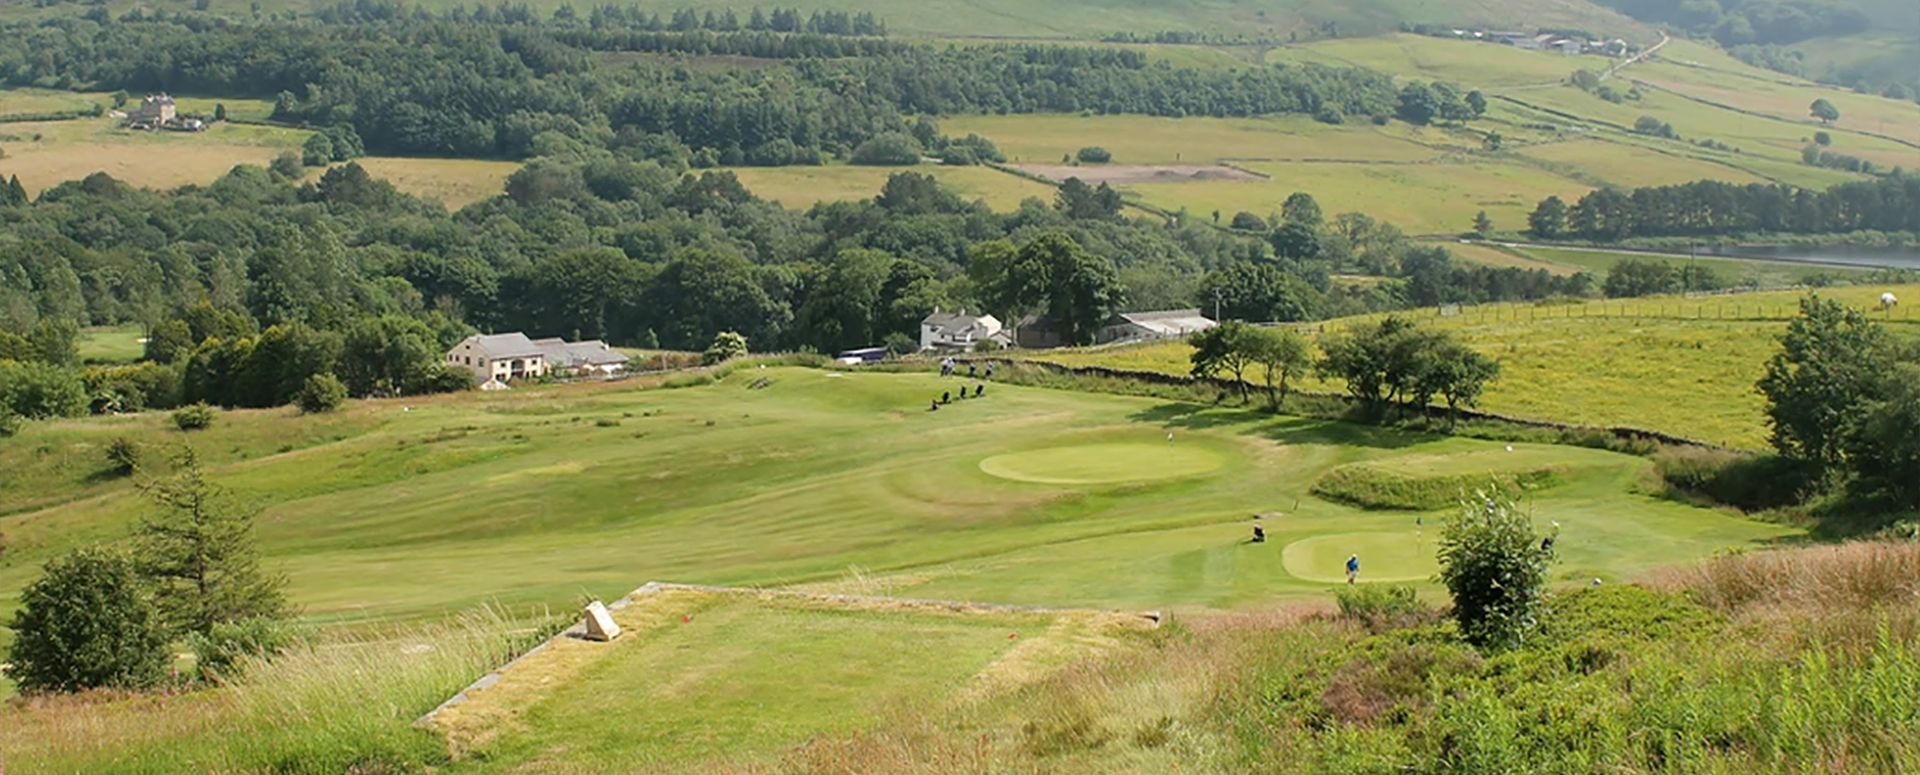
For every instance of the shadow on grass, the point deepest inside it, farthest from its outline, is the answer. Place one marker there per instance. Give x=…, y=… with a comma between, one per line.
x=1286, y=429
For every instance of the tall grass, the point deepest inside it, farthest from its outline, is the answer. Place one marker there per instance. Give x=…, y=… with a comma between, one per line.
x=342, y=704
x=1860, y=575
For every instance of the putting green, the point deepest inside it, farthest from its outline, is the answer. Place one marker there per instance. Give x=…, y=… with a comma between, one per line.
x=1103, y=463
x=1404, y=556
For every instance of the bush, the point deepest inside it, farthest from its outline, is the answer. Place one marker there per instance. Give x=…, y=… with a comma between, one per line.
x=85, y=624
x=1094, y=154
x=197, y=417
x=39, y=391
x=221, y=653
x=321, y=393
x=123, y=456
x=1743, y=481
x=438, y=378
x=1495, y=565
x=10, y=424
x=1381, y=605
x=888, y=149
x=726, y=344
x=1370, y=487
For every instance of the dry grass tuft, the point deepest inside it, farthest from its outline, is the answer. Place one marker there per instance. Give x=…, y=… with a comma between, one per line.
x=1861, y=575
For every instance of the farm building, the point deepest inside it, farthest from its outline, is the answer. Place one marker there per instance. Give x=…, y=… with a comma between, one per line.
x=154, y=111
x=498, y=358
x=582, y=359
x=959, y=330
x=1164, y=324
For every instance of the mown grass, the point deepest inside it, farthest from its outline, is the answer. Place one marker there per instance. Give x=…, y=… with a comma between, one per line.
x=71, y=150
x=1681, y=366
x=118, y=344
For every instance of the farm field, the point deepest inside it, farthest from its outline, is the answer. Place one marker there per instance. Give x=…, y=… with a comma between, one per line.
x=1748, y=272
x=1470, y=64
x=802, y=187
x=1633, y=166
x=71, y=150
x=1682, y=366
x=1707, y=73
x=1046, y=138
x=456, y=183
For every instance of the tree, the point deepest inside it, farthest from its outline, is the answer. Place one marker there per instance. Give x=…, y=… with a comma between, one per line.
x=1418, y=105
x=845, y=308
x=219, y=111
x=286, y=166
x=1257, y=292
x=1078, y=200
x=1482, y=225
x=1303, y=209
x=380, y=354
x=197, y=550
x=1296, y=241
x=1824, y=110
x=1549, y=220
x=726, y=345
x=86, y=624
x=40, y=391
x=1883, y=442
x=1082, y=289
x=1231, y=347
x=1094, y=155
x=1821, y=381
x=1494, y=564
x=1477, y=103
x=1635, y=277
x=322, y=393
x=1283, y=354
x=1823, y=138
x=1246, y=221
x=316, y=151
x=1459, y=375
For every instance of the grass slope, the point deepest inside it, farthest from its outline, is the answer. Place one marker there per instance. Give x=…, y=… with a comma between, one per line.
x=45, y=154
x=1683, y=366
x=541, y=495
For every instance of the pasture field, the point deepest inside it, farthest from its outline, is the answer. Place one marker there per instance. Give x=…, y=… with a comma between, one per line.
x=1632, y=166
x=1708, y=73
x=30, y=100
x=456, y=183
x=1046, y=138
x=117, y=344
x=71, y=150
x=1682, y=366
x=1746, y=272
x=1469, y=64
x=803, y=187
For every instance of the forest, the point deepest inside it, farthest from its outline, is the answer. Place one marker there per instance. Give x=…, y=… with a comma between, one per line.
x=1742, y=22
x=416, y=84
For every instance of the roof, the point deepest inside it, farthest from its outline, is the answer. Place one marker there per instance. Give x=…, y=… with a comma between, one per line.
x=514, y=345
x=953, y=319
x=1165, y=314
x=1172, y=322
x=566, y=354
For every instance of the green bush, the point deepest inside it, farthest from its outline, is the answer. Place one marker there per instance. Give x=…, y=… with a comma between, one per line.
x=1370, y=601
x=197, y=417
x=1370, y=487
x=221, y=653
x=10, y=424
x=1495, y=565
x=1744, y=481
x=1094, y=155
x=726, y=345
x=123, y=456
x=438, y=378
x=86, y=624
x=320, y=394
x=39, y=391
x=888, y=149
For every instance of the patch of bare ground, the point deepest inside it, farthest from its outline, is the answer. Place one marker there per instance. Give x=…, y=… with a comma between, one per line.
x=1119, y=174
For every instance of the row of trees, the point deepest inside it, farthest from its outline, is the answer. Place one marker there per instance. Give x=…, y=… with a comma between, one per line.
x=1393, y=363
x=1712, y=208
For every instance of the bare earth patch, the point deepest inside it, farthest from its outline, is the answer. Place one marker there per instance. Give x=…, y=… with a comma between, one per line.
x=1119, y=174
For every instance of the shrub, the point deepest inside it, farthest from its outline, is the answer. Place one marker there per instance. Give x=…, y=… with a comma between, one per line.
x=10, y=424
x=197, y=417
x=1743, y=481
x=320, y=394
x=438, y=378
x=220, y=652
x=888, y=149
x=123, y=456
x=1370, y=487
x=1381, y=605
x=1094, y=154
x=726, y=344
x=39, y=391
x=85, y=624
x=1495, y=565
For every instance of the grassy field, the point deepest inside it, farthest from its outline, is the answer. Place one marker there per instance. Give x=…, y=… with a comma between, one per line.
x=1045, y=138
x=1631, y=166
x=119, y=344
x=1470, y=64
x=1682, y=366
x=456, y=183
x=1753, y=273
x=802, y=187
x=1708, y=73
x=45, y=154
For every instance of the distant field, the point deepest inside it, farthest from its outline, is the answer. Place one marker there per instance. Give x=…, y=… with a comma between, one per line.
x=1470, y=64
x=70, y=150
x=1741, y=271
x=19, y=101
x=1708, y=73
x=455, y=182
x=121, y=344
x=1046, y=138
x=1632, y=166
x=1683, y=366
x=802, y=187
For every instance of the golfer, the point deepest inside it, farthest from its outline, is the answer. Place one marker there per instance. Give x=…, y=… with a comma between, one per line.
x=1353, y=568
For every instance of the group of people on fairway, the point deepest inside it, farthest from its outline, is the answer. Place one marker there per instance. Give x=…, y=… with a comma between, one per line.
x=947, y=369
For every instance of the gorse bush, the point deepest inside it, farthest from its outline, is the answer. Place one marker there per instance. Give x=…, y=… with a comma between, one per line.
x=1494, y=564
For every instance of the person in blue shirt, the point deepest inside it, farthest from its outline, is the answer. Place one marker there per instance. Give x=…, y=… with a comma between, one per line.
x=1353, y=568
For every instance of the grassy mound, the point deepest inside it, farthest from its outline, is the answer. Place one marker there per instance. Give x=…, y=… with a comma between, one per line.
x=1370, y=486
x=1103, y=463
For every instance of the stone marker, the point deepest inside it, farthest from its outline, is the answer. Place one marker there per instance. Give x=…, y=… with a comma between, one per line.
x=600, y=624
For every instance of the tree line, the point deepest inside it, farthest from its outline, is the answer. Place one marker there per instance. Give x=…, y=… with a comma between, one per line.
x=419, y=85
x=1713, y=208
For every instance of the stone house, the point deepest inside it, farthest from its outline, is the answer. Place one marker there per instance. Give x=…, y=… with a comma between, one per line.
x=959, y=330
x=155, y=111
x=500, y=358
